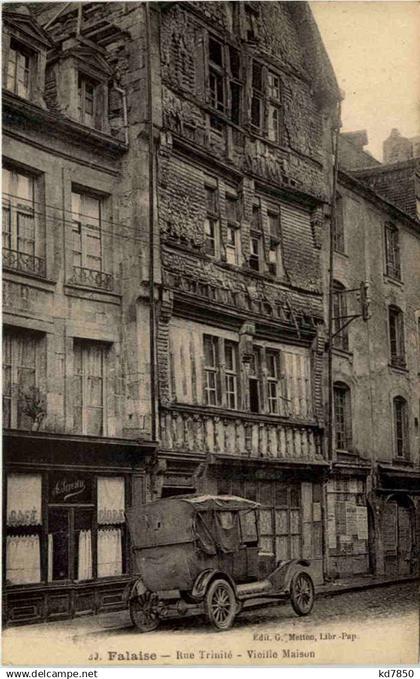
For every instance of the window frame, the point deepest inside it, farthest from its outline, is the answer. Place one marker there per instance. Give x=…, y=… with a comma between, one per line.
x=222, y=377
x=344, y=433
x=340, y=311
x=266, y=102
x=396, y=336
x=392, y=251
x=274, y=267
x=228, y=104
x=83, y=345
x=339, y=242
x=20, y=49
x=15, y=336
x=401, y=428
x=86, y=229
x=212, y=221
x=233, y=227
x=84, y=80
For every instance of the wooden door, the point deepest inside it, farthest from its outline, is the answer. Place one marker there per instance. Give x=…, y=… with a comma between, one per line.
x=398, y=539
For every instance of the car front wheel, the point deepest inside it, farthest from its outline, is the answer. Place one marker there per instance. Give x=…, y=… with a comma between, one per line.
x=302, y=593
x=144, y=611
x=220, y=604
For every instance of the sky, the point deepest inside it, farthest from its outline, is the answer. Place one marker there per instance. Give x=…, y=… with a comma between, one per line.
x=374, y=48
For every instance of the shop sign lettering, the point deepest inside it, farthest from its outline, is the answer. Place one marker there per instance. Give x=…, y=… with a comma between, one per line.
x=69, y=489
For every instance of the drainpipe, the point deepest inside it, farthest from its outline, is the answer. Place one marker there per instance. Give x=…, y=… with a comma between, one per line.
x=151, y=151
x=330, y=442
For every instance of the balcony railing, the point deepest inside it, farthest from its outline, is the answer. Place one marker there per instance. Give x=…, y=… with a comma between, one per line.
x=21, y=261
x=92, y=278
x=237, y=434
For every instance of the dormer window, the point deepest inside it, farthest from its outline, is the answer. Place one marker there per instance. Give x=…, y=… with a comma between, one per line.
x=86, y=94
x=18, y=69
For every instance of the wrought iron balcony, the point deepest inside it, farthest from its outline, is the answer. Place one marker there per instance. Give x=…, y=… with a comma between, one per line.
x=23, y=262
x=92, y=278
x=238, y=433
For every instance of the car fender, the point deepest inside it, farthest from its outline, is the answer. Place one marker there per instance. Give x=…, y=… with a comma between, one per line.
x=282, y=576
x=137, y=589
x=203, y=580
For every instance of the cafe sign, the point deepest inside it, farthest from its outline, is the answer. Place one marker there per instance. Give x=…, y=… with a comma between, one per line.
x=69, y=489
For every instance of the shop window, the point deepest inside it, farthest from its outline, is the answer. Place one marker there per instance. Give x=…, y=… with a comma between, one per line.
x=23, y=533
x=86, y=100
x=338, y=240
x=401, y=433
x=396, y=337
x=342, y=417
x=392, y=251
x=23, y=367
x=89, y=387
x=111, y=526
x=341, y=337
x=21, y=211
x=212, y=222
x=18, y=69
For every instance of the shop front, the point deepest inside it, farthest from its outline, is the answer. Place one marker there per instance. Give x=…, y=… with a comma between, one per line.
x=66, y=546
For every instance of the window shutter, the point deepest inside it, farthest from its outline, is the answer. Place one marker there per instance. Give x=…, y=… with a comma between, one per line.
x=100, y=106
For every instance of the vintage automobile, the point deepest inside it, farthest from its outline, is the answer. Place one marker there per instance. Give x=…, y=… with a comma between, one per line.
x=200, y=555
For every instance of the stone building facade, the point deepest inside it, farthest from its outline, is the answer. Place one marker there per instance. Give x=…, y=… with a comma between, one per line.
x=167, y=187
x=373, y=491
x=76, y=360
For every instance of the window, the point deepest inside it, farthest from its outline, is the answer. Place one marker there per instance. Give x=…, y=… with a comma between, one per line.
x=396, y=337
x=225, y=82
x=392, y=252
x=220, y=365
x=274, y=254
x=272, y=361
x=233, y=232
x=255, y=245
x=89, y=387
x=231, y=374
x=20, y=244
x=251, y=23
x=254, y=381
x=401, y=427
x=216, y=74
x=273, y=107
x=338, y=236
x=341, y=338
x=266, y=106
x=211, y=222
x=24, y=525
x=257, y=96
x=87, y=246
x=86, y=100
x=18, y=69
x=23, y=358
x=342, y=417
x=211, y=370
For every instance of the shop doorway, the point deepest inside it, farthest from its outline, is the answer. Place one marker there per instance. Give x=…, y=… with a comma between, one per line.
x=398, y=533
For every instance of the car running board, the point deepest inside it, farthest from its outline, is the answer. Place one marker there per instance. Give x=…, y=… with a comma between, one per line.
x=251, y=588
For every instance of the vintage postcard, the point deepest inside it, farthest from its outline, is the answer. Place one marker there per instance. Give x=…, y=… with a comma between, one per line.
x=211, y=333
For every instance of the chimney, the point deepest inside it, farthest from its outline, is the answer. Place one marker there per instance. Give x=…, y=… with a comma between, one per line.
x=397, y=148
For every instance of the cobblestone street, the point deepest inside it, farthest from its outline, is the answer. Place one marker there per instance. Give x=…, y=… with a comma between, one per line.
x=373, y=626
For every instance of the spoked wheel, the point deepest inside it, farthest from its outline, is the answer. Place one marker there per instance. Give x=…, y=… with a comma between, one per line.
x=221, y=604
x=302, y=593
x=144, y=611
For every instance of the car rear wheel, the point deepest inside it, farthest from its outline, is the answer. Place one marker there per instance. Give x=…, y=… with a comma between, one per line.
x=302, y=593
x=220, y=604
x=144, y=611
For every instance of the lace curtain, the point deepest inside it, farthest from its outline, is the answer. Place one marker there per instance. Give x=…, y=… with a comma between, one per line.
x=23, y=560
x=109, y=552
x=111, y=500
x=24, y=499
x=85, y=555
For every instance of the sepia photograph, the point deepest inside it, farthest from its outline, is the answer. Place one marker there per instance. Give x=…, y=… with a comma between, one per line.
x=211, y=333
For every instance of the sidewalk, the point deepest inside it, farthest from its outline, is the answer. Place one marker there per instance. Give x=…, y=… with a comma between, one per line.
x=119, y=620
